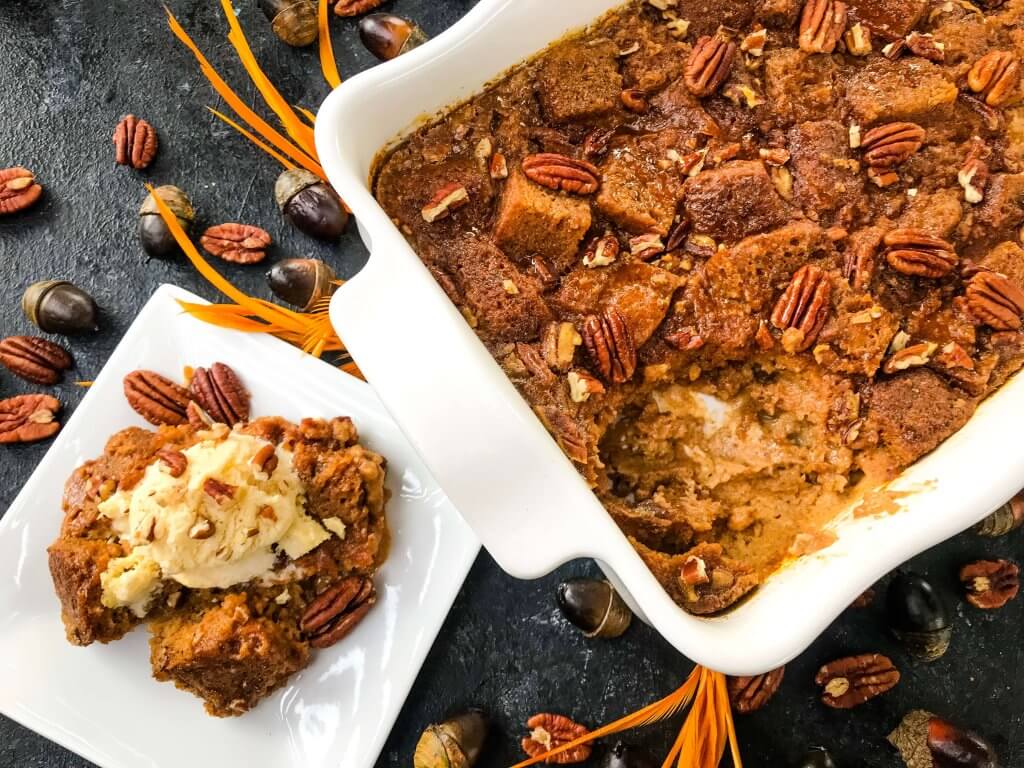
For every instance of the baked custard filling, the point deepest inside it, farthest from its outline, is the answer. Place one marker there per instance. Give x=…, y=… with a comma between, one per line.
x=745, y=260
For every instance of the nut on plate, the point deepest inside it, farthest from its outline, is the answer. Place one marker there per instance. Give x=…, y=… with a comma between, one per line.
x=293, y=21
x=27, y=418
x=851, y=681
x=18, y=190
x=237, y=243
x=302, y=283
x=455, y=743
x=157, y=239
x=337, y=611
x=156, y=398
x=34, y=359
x=135, y=142
x=57, y=306
x=990, y=584
x=219, y=392
x=749, y=694
x=310, y=204
x=549, y=731
x=388, y=36
x=594, y=606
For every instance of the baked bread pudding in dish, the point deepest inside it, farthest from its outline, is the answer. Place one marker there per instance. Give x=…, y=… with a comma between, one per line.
x=747, y=261
x=241, y=549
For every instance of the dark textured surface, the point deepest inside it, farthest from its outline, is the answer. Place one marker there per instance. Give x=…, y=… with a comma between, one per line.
x=68, y=72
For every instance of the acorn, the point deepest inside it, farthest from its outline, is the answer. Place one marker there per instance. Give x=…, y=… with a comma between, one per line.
x=627, y=756
x=387, y=36
x=925, y=740
x=918, y=616
x=154, y=233
x=293, y=21
x=309, y=204
x=57, y=306
x=455, y=743
x=594, y=606
x=817, y=757
x=1007, y=518
x=302, y=282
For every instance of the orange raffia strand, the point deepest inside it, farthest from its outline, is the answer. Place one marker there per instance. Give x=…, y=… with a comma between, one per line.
x=702, y=739
x=299, y=156
x=327, y=63
x=255, y=140
x=301, y=133
x=310, y=117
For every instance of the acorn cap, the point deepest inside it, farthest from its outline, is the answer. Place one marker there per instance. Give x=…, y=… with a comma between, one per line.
x=293, y=21
x=455, y=743
x=173, y=198
x=291, y=182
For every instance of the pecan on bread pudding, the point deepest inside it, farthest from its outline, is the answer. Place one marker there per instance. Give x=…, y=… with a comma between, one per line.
x=241, y=548
x=746, y=260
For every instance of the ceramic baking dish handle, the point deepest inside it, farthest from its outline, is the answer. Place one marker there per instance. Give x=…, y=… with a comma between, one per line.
x=508, y=480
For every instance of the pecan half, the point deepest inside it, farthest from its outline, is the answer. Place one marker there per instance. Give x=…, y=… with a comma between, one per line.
x=560, y=172
x=709, y=64
x=18, y=190
x=859, y=264
x=220, y=393
x=237, y=243
x=918, y=253
x=156, y=398
x=749, y=694
x=886, y=146
x=803, y=306
x=549, y=732
x=27, y=418
x=135, y=142
x=175, y=461
x=34, y=359
x=912, y=356
x=355, y=7
x=266, y=459
x=995, y=77
x=565, y=431
x=990, y=584
x=926, y=46
x=995, y=300
x=217, y=490
x=851, y=681
x=609, y=343
x=822, y=24
x=602, y=251
x=709, y=582
x=336, y=611
x=448, y=198
x=534, y=362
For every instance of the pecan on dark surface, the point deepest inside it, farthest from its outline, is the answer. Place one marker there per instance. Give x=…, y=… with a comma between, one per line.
x=27, y=418
x=135, y=142
x=749, y=694
x=851, y=681
x=917, y=253
x=709, y=64
x=803, y=307
x=220, y=393
x=549, y=731
x=336, y=611
x=609, y=343
x=34, y=359
x=990, y=584
x=237, y=243
x=560, y=172
x=18, y=190
x=156, y=398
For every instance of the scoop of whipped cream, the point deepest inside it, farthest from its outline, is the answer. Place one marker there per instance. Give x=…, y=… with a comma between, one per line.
x=211, y=516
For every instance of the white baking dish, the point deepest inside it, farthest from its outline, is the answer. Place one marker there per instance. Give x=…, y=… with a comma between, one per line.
x=524, y=499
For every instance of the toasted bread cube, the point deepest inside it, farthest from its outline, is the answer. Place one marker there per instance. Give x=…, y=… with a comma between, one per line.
x=734, y=200
x=579, y=82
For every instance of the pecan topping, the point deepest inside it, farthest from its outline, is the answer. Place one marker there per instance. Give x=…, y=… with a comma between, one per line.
x=646, y=246
x=710, y=582
x=912, y=356
x=853, y=680
x=990, y=583
x=916, y=252
x=266, y=459
x=859, y=265
x=175, y=461
x=596, y=142
x=565, y=431
x=994, y=77
x=201, y=530
x=582, y=385
x=858, y=40
x=694, y=572
x=498, y=168
x=610, y=344
x=27, y=418
x=602, y=251
x=197, y=417
x=135, y=142
x=34, y=359
x=549, y=732
x=448, y=198
x=995, y=300
x=926, y=46
x=803, y=307
x=749, y=694
x=635, y=100
x=559, y=345
x=534, y=363
x=973, y=177
x=355, y=7
x=220, y=393
x=709, y=64
x=155, y=398
x=237, y=243
x=822, y=24
x=886, y=146
x=18, y=190
x=219, y=491
x=336, y=611
x=882, y=178
x=559, y=172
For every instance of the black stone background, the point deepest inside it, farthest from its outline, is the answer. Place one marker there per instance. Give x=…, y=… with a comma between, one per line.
x=68, y=71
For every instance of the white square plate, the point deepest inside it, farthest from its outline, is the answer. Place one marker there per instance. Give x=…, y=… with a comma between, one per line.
x=101, y=701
